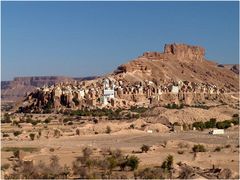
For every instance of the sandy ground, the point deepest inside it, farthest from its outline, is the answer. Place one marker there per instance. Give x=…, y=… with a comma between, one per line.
x=67, y=148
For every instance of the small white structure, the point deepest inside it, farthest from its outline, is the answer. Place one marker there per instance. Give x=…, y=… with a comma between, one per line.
x=175, y=89
x=217, y=131
x=149, y=131
x=108, y=92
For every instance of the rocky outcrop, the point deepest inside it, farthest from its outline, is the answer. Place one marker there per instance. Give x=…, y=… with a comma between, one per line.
x=185, y=52
x=235, y=68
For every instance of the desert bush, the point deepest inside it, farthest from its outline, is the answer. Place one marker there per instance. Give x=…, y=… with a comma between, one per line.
x=145, y=148
x=217, y=149
x=186, y=172
x=108, y=129
x=87, y=152
x=57, y=133
x=199, y=125
x=6, y=118
x=228, y=146
x=112, y=162
x=224, y=124
x=198, y=148
x=235, y=121
x=5, y=135
x=77, y=132
x=16, y=153
x=34, y=123
x=132, y=126
x=174, y=106
x=180, y=152
x=167, y=165
x=150, y=173
x=211, y=123
x=235, y=115
x=47, y=120
x=51, y=149
x=16, y=133
x=133, y=162
x=70, y=123
x=32, y=136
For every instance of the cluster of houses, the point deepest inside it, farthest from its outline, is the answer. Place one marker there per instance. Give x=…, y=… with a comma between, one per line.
x=109, y=92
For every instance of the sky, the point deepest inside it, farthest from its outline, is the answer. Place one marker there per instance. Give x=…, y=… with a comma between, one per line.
x=92, y=38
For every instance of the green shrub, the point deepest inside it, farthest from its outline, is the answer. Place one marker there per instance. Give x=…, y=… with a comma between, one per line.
x=199, y=125
x=34, y=123
x=108, y=130
x=168, y=163
x=133, y=162
x=217, y=149
x=180, y=152
x=235, y=115
x=145, y=148
x=228, y=146
x=198, y=148
x=235, y=121
x=32, y=136
x=47, y=120
x=224, y=124
x=6, y=118
x=16, y=153
x=16, y=133
x=70, y=123
x=174, y=106
x=5, y=135
x=211, y=123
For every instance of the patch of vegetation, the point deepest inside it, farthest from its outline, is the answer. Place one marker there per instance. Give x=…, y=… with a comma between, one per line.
x=32, y=136
x=228, y=146
x=224, y=124
x=145, y=148
x=5, y=135
x=133, y=162
x=174, y=106
x=167, y=165
x=217, y=149
x=212, y=123
x=6, y=118
x=16, y=133
x=198, y=148
x=47, y=120
x=137, y=109
x=70, y=123
x=108, y=130
x=180, y=152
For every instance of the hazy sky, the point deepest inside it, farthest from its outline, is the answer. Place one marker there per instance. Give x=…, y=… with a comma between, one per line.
x=93, y=38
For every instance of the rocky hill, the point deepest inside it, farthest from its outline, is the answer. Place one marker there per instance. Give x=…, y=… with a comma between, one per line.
x=180, y=74
x=178, y=62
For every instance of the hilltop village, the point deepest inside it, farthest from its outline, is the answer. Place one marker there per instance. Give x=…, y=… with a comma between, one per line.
x=179, y=75
x=110, y=93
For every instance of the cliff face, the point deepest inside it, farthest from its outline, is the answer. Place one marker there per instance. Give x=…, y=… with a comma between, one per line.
x=185, y=52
